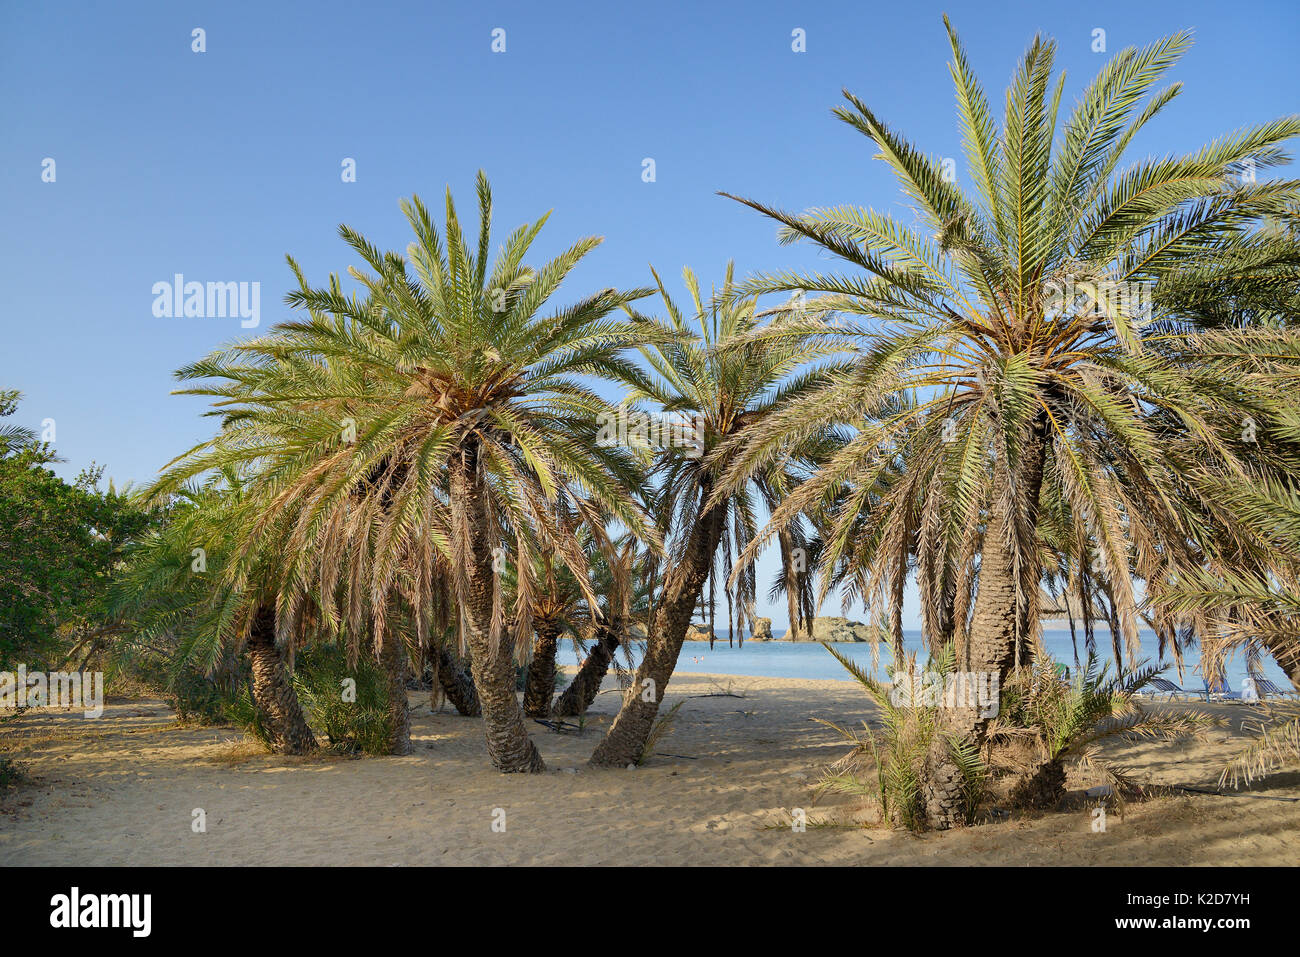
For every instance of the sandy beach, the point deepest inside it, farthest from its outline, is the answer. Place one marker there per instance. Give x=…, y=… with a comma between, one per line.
x=123, y=790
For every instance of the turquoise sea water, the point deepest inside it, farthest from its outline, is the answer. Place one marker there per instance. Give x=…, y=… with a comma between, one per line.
x=780, y=659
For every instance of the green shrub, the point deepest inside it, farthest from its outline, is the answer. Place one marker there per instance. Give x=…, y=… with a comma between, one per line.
x=321, y=678
x=889, y=765
x=12, y=773
x=1046, y=724
x=243, y=713
x=198, y=699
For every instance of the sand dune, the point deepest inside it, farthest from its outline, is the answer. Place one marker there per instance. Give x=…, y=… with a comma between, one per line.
x=123, y=790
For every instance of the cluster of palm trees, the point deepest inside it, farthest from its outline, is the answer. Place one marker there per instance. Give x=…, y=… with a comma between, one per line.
x=416, y=464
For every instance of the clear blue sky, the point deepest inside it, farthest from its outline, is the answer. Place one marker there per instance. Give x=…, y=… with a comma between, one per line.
x=216, y=164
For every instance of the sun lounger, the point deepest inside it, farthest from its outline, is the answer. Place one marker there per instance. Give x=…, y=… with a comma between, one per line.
x=1267, y=689
x=1164, y=686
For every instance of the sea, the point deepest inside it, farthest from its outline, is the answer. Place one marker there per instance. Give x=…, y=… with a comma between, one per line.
x=784, y=659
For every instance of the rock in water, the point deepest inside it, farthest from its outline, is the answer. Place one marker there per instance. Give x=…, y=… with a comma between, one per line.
x=699, y=632
x=836, y=629
x=762, y=629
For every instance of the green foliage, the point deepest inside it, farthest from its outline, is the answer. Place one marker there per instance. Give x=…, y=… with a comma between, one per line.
x=447, y=353
x=888, y=765
x=1002, y=349
x=1070, y=721
x=363, y=724
x=244, y=713
x=199, y=699
x=59, y=544
x=12, y=773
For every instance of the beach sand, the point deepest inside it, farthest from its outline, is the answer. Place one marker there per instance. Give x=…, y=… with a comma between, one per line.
x=123, y=790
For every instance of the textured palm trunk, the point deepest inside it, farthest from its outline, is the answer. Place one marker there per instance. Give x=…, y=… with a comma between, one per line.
x=1112, y=622
x=626, y=737
x=492, y=660
x=273, y=693
x=392, y=659
x=896, y=608
x=786, y=543
x=539, y=686
x=1287, y=655
x=582, y=691
x=457, y=685
x=992, y=644
x=1044, y=788
x=392, y=654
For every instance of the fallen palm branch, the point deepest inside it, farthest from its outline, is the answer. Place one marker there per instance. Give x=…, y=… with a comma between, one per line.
x=1277, y=746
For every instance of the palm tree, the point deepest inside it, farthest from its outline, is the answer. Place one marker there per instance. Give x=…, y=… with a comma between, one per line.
x=559, y=605
x=329, y=542
x=1239, y=597
x=13, y=438
x=998, y=314
x=184, y=582
x=457, y=417
x=887, y=763
x=623, y=581
x=715, y=389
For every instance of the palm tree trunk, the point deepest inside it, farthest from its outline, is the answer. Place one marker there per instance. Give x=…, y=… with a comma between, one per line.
x=539, y=686
x=1286, y=652
x=792, y=607
x=626, y=737
x=1112, y=622
x=492, y=658
x=582, y=691
x=273, y=693
x=392, y=659
x=1043, y=788
x=1074, y=635
x=896, y=605
x=995, y=624
x=456, y=684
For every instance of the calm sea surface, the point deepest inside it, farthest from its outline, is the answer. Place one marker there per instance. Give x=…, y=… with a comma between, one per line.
x=779, y=659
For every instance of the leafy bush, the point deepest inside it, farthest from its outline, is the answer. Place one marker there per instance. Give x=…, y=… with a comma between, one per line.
x=1045, y=723
x=200, y=699
x=196, y=697
x=245, y=714
x=59, y=544
x=11, y=773
x=360, y=725
x=364, y=724
x=889, y=765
